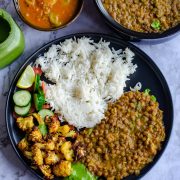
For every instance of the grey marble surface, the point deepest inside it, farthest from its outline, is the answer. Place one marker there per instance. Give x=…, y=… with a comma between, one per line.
x=166, y=56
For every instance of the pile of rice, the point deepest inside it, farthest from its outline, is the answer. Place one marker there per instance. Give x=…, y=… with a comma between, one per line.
x=87, y=75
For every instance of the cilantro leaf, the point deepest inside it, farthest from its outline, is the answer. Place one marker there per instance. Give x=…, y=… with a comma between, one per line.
x=156, y=24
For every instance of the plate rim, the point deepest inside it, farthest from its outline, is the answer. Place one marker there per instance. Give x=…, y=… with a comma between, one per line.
x=140, y=52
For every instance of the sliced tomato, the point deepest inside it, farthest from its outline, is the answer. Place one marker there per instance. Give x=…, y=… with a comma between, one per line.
x=38, y=70
x=43, y=87
x=46, y=106
x=15, y=116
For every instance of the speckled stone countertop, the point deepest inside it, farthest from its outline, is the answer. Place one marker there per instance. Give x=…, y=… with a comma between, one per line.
x=166, y=56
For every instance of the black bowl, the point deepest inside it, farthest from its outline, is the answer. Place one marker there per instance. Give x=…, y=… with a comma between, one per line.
x=131, y=35
x=147, y=73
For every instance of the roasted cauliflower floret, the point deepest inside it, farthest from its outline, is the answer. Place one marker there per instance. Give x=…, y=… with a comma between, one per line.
x=28, y=154
x=47, y=146
x=59, y=143
x=53, y=124
x=67, y=151
x=37, y=155
x=62, y=169
x=40, y=145
x=23, y=144
x=35, y=135
x=25, y=124
x=50, y=145
x=46, y=170
x=51, y=158
x=64, y=130
x=54, y=137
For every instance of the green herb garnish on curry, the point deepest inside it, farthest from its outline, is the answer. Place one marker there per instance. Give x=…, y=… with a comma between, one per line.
x=156, y=24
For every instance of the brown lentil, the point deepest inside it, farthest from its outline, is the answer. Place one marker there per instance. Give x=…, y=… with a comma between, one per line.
x=138, y=15
x=135, y=133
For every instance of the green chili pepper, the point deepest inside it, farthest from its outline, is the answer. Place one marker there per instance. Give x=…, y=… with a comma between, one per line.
x=156, y=24
x=11, y=39
x=43, y=129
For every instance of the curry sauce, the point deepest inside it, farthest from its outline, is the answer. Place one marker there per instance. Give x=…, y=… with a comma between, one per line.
x=48, y=13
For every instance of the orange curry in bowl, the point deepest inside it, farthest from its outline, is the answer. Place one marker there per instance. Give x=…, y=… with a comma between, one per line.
x=47, y=14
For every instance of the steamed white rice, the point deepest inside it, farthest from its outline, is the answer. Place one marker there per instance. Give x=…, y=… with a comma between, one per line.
x=87, y=76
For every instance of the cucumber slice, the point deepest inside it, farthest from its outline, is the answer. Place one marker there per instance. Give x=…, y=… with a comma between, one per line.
x=22, y=98
x=22, y=111
x=37, y=82
x=39, y=101
x=45, y=112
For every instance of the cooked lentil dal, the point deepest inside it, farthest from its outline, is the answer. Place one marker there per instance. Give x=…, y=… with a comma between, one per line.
x=146, y=16
x=126, y=140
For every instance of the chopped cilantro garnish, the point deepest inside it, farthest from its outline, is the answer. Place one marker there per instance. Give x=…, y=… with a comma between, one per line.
x=147, y=91
x=153, y=98
x=156, y=24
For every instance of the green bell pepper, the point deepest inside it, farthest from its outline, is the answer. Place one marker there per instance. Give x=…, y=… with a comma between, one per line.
x=11, y=39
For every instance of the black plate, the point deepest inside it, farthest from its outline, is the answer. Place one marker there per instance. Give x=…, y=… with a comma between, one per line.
x=131, y=35
x=147, y=73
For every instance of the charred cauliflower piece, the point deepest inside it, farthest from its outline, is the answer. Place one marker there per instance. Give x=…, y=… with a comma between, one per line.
x=50, y=145
x=28, y=154
x=47, y=146
x=62, y=169
x=67, y=151
x=35, y=135
x=53, y=137
x=40, y=145
x=25, y=124
x=46, y=170
x=67, y=131
x=64, y=130
x=52, y=158
x=53, y=124
x=37, y=155
x=59, y=143
x=23, y=144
